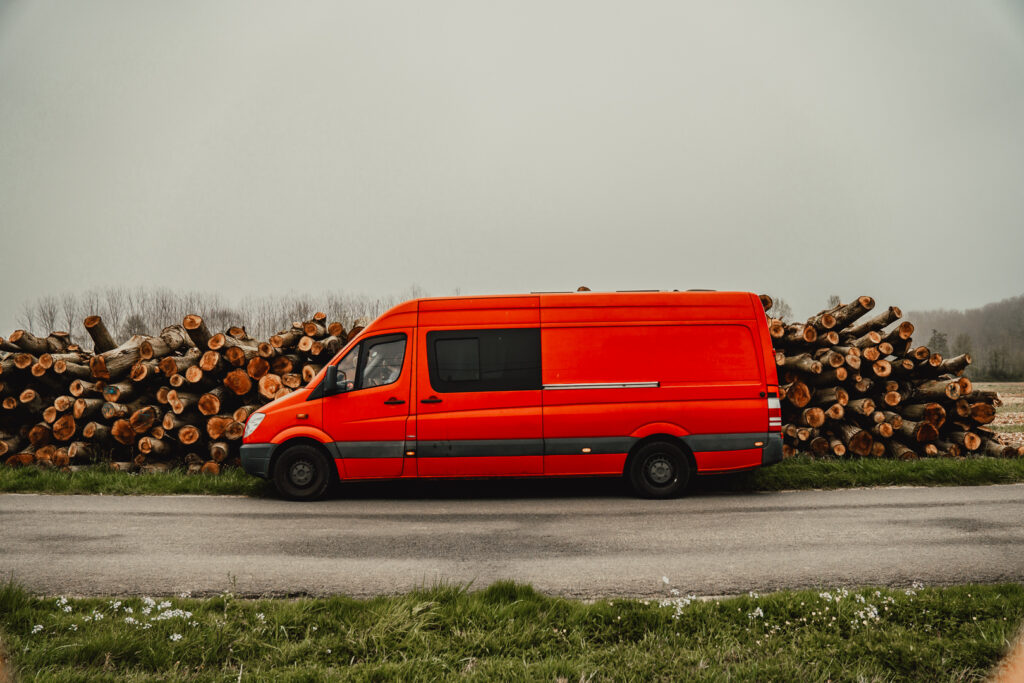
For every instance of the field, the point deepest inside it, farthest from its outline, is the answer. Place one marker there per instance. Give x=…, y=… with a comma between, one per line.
x=1009, y=420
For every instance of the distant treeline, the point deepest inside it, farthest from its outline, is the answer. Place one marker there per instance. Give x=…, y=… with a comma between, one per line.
x=148, y=310
x=992, y=334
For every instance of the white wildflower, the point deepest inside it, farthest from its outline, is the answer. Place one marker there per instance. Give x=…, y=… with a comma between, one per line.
x=175, y=637
x=185, y=594
x=758, y=613
x=753, y=594
x=664, y=580
x=166, y=604
x=73, y=627
x=67, y=609
x=37, y=628
x=261, y=617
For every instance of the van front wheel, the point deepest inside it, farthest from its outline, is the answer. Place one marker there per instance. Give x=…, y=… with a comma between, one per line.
x=659, y=470
x=302, y=472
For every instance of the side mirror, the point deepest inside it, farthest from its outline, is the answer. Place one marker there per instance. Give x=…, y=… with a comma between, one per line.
x=331, y=384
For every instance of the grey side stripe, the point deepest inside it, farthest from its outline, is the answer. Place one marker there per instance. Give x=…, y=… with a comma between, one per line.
x=487, y=448
x=368, y=449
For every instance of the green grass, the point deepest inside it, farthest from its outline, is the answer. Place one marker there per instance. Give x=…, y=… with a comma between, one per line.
x=802, y=472
x=510, y=632
x=103, y=480
x=795, y=473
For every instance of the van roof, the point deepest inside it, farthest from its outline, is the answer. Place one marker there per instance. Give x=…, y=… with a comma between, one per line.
x=700, y=304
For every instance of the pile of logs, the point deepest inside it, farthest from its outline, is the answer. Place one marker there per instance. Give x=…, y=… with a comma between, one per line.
x=851, y=386
x=151, y=403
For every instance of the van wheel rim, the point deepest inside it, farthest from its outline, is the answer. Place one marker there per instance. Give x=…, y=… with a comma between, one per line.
x=660, y=471
x=301, y=473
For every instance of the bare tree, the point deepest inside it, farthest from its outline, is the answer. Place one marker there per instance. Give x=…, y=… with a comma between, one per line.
x=780, y=309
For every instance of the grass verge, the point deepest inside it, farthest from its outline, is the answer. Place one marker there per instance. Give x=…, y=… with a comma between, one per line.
x=803, y=472
x=100, y=479
x=795, y=473
x=510, y=632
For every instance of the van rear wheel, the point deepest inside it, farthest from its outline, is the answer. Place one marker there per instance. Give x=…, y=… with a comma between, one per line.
x=660, y=470
x=302, y=472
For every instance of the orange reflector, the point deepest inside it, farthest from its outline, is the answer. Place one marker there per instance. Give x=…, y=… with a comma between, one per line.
x=410, y=453
x=586, y=450
x=759, y=443
x=301, y=416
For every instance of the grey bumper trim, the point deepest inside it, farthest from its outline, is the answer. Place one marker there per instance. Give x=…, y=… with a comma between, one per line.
x=700, y=443
x=772, y=450
x=256, y=458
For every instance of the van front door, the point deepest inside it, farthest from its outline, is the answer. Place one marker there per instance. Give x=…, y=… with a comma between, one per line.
x=368, y=421
x=478, y=402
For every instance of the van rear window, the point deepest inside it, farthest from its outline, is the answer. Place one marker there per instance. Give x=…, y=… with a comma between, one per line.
x=484, y=360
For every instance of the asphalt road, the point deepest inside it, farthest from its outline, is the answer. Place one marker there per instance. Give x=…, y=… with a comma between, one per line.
x=596, y=542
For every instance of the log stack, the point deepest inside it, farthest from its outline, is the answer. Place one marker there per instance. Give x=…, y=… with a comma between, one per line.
x=180, y=398
x=851, y=385
x=854, y=384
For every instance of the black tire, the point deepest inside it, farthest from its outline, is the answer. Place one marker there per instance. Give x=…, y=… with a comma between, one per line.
x=660, y=470
x=303, y=472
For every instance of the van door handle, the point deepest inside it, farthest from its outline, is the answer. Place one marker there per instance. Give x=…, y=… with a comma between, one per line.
x=432, y=399
x=393, y=401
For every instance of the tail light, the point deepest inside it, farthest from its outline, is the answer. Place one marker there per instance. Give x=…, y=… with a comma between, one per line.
x=774, y=413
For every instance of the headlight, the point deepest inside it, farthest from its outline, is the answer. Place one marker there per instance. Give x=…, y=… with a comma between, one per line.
x=252, y=423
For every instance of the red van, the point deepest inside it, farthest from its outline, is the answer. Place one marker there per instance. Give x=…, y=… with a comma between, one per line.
x=653, y=386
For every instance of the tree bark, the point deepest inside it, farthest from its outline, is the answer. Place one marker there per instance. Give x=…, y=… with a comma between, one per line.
x=210, y=402
x=937, y=390
x=181, y=401
x=929, y=412
x=195, y=328
x=101, y=339
x=172, y=338
x=920, y=432
x=116, y=363
x=880, y=321
x=969, y=441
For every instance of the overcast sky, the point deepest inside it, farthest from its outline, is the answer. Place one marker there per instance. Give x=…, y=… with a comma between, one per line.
x=796, y=148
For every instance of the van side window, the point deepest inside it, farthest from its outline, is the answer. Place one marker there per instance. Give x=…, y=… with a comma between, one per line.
x=484, y=360
x=347, y=365
x=383, y=362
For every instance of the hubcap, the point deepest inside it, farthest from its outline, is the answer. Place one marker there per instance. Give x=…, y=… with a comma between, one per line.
x=301, y=473
x=660, y=471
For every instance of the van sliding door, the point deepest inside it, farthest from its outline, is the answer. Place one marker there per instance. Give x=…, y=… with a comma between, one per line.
x=478, y=402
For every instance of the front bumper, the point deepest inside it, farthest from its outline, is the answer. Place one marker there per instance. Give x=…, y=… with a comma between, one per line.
x=256, y=458
x=771, y=454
